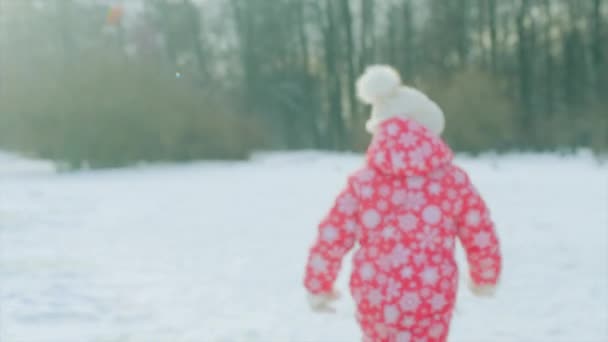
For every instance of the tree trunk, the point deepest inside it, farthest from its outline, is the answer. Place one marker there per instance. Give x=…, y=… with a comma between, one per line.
x=408, y=53
x=493, y=38
x=336, y=121
x=463, y=31
x=302, y=36
x=481, y=32
x=549, y=111
x=244, y=28
x=349, y=57
x=596, y=49
x=367, y=33
x=65, y=19
x=525, y=71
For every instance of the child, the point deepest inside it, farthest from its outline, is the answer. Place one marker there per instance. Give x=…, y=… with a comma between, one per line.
x=405, y=208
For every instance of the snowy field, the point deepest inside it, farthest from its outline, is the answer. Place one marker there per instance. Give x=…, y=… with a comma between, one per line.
x=215, y=251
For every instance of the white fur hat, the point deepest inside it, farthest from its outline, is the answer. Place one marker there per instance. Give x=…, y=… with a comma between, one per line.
x=380, y=86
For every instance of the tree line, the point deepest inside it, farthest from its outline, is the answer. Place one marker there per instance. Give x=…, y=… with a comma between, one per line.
x=509, y=74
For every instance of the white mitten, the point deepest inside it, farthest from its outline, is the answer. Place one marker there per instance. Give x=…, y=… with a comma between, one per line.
x=320, y=302
x=482, y=290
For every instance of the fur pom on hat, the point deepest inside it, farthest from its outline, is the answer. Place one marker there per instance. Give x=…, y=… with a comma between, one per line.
x=380, y=86
x=378, y=82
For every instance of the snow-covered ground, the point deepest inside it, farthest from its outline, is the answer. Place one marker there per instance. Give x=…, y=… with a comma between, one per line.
x=215, y=251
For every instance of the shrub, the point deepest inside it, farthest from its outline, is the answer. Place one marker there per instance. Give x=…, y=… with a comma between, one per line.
x=106, y=111
x=479, y=114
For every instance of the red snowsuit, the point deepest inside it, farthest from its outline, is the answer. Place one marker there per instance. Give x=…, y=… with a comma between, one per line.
x=405, y=209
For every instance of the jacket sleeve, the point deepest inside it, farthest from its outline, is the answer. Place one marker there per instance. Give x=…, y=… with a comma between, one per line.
x=336, y=236
x=477, y=234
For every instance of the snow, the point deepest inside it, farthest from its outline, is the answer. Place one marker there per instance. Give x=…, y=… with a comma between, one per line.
x=215, y=251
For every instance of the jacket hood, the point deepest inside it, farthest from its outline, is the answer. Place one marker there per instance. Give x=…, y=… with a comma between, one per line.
x=403, y=147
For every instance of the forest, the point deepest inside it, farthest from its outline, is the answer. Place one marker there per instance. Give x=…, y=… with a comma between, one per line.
x=111, y=83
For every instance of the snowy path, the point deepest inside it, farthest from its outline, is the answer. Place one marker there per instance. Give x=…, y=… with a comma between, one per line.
x=215, y=252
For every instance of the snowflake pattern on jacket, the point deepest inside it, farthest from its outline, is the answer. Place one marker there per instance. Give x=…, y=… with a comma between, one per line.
x=405, y=209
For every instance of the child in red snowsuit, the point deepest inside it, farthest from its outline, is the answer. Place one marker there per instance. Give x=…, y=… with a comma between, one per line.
x=405, y=208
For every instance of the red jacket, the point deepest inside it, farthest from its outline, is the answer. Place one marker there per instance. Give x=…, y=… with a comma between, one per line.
x=405, y=208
